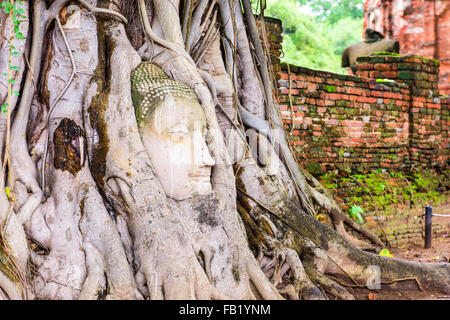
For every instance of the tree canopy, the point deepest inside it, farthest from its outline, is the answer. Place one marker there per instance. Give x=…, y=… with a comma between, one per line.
x=334, y=11
x=317, y=40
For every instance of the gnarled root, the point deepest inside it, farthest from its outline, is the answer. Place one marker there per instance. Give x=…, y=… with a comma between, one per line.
x=365, y=268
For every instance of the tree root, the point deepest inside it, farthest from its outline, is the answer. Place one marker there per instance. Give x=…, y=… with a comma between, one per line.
x=364, y=267
x=326, y=283
x=10, y=288
x=97, y=10
x=107, y=229
x=154, y=37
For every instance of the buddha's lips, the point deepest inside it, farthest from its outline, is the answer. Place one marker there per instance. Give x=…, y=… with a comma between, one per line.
x=201, y=175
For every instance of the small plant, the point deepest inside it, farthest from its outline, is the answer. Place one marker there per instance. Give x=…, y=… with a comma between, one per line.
x=385, y=253
x=355, y=214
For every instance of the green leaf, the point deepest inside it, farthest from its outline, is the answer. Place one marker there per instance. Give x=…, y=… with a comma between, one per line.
x=4, y=108
x=355, y=214
x=8, y=192
x=385, y=253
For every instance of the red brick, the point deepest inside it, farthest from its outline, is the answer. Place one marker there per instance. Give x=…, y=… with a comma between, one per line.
x=389, y=74
x=382, y=67
x=354, y=91
x=376, y=93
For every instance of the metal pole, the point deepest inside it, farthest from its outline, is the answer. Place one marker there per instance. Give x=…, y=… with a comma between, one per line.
x=428, y=232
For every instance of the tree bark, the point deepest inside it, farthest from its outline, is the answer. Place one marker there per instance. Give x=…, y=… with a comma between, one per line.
x=87, y=217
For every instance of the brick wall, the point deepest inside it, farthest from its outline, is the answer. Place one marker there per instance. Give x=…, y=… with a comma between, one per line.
x=363, y=123
x=344, y=121
x=393, y=202
x=421, y=26
x=444, y=151
x=419, y=73
x=425, y=107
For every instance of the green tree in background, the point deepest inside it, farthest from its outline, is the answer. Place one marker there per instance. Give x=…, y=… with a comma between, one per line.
x=333, y=11
x=317, y=40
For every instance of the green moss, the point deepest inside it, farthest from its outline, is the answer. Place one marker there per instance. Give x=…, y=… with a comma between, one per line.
x=330, y=88
x=385, y=80
x=314, y=169
x=405, y=75
x=343, y=103
x=382, y=190
x=385, y=53
x=377, y=59
x=99, y=104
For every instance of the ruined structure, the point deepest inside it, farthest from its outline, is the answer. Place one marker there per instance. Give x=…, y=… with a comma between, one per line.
x=421, y=26
x=389, y=118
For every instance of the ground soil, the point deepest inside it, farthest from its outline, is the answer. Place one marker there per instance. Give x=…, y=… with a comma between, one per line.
x=414, y=251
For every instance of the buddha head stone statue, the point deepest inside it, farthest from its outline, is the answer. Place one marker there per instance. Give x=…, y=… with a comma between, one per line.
x=172, y=125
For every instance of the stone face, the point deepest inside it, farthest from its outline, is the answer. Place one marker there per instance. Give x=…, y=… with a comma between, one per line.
x=421, y=26
x=173, y=128
x=150, y=85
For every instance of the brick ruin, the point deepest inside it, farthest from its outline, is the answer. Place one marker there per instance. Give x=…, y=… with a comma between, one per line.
x=389, y=117
x=421, y=26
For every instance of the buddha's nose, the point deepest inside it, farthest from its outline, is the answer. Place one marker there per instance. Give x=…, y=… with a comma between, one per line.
x=206, y=159
x=202, y=157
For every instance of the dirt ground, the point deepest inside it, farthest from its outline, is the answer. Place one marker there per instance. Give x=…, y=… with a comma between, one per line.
x=415, y=251
x=440, y=244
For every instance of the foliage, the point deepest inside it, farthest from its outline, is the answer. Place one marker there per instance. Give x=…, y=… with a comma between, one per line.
x=334, y=11
x=355, y=214
x=385, y=253
x=344, y=33
x=383, y=189
x=316, y=42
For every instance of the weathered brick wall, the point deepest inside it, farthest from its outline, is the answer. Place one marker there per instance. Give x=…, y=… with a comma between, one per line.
x=421, y=26
x=421, y=74
x=344, y=121
x=363, y=124
x=444, y=151
x=425, y=114
x=393, y=201
x=360, y=123
x=272, y=34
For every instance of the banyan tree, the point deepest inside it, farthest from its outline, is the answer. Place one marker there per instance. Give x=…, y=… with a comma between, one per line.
x=143, y=157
